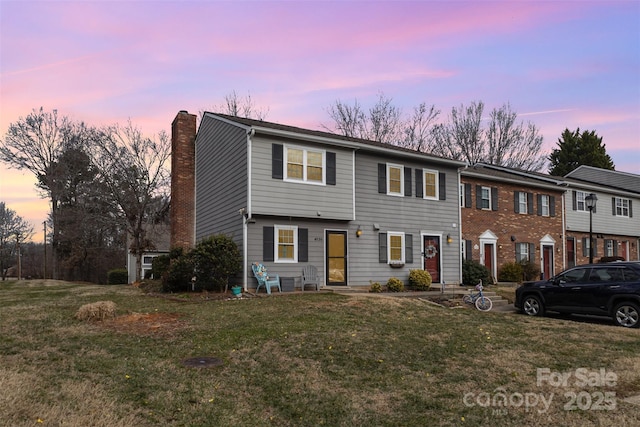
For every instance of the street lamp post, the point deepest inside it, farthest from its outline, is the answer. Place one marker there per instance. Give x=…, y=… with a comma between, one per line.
x=591, y=200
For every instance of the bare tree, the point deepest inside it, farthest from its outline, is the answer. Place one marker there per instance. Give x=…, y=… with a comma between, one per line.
x=462, y=137
x=382, y=123
x=348, y=120
x=134, y=168
x=418, y=131
x=239, y=106
x=511, y=143
x=13, y=231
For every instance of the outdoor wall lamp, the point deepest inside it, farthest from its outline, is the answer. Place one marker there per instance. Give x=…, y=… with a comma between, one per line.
x=359, y=232
x=591, y=200
x=449, y=239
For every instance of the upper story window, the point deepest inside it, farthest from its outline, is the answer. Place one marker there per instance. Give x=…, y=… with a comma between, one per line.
x=621, y=207
x=430, y=184
x=286, y=243
x=395, y=247
x=522, y=203
x=305, y=165
x=462, y=204
x=580, y=203
x=485, y=198
x=544, y=204
x=395, y=179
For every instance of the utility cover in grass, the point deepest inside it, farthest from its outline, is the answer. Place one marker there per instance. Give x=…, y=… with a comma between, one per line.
x=202, y=362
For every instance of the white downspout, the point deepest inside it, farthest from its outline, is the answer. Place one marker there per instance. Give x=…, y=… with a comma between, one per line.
x=246, y=217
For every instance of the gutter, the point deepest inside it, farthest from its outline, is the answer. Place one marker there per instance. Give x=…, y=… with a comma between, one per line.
x=247, y=216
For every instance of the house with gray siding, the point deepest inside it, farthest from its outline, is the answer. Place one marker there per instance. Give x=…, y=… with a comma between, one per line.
x=357, y=210
x=614, y=225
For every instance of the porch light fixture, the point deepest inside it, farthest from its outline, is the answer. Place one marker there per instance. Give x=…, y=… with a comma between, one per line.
x=359, y=232
x=449, y=239
x=591, y=200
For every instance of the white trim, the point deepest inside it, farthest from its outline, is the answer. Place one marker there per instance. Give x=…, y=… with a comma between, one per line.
x=402, y=247
x=305, y=151
x=423, y=234
x=482, y=188
x=489, y=238
x=436, y=184
x=395, y=166
x=276, y=243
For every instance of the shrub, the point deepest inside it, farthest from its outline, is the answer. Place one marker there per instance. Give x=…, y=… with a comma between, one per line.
x=216, y=259
x=118, y=276
x=375, y=287
x=530, y=271
x=473, y=272
x=510, y=272
x=212, y=262
x=395, y=285
x=100, y=310
x=420, y=279
x=159, y=266
x=178, y=277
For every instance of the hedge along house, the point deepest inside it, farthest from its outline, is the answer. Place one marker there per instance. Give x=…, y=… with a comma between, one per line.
x=357, y=210
x=510, y=215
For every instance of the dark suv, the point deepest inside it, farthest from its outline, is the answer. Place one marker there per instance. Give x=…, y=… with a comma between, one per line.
x=606, y=289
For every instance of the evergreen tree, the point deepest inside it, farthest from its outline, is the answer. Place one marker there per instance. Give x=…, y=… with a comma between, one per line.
x=576, y=149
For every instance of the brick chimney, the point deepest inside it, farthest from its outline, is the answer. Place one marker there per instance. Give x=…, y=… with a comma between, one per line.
x=183, y=179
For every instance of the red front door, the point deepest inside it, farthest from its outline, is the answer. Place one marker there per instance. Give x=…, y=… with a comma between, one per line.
x=547, y=261
x=488, y=257
x=431, y=254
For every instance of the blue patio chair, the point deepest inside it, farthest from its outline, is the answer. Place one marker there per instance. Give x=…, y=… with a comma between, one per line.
x=264, y=278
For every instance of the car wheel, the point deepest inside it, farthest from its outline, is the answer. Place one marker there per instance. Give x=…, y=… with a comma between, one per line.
x=627, y=314
x=532, y=306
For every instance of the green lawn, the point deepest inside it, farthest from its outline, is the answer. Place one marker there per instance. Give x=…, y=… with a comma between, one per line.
x=303, y=360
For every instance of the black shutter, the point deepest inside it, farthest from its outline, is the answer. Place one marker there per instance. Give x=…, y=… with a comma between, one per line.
x=276, y=161
x=615, y=247
x=575, y=200
x=539, y=203
x=630, y=211
x=494, y=198
x=530, y=203
x=303, y=245
x=468, y=249
x=467, y=195
x=267, y=243
x=585, y=252
x=595, y=247
x=382, y=178
x=532, y=253
x=331, y=168
x=442, y=183
x=419, y=185
x=408, y=248
x=516, y=201
x=552, y=206
x=407, y=182
x=478, y=197
x=382, y=247
x=613, y=206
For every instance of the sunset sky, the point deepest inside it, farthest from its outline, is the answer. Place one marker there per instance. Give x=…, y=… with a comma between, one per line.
x=560, y=64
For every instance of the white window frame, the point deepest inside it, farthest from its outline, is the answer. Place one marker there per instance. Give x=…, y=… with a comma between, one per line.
x=580, y=195
x=523, y=207
x=621, y=208
x=608, y=247
x=305, y=165
x=402, y=247
x=522, y=253
x=395, y=166
x=276, y=243
x=488, y=190
x=545, y=201
x=436, y=184
x=462, y=195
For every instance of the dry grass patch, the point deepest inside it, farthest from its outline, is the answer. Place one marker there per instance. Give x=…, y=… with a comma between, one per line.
x=97, y=311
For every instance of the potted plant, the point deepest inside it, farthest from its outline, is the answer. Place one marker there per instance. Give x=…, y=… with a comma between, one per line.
x=236, y=291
